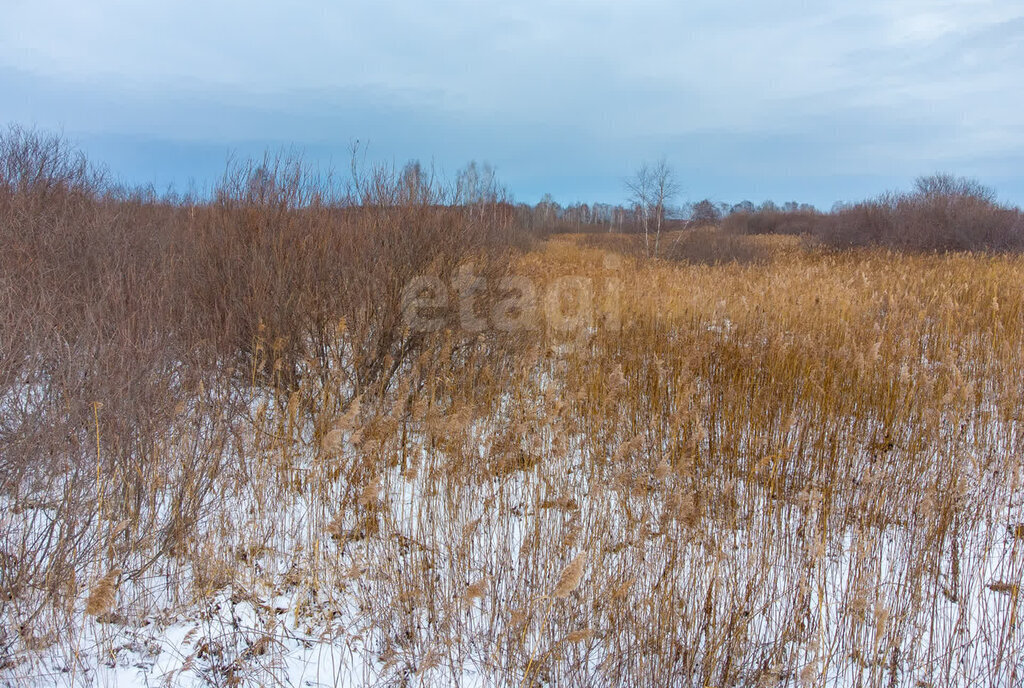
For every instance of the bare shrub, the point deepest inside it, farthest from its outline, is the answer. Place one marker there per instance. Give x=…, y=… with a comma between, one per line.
x=944, y=213
x=771, y=222
x=135, y=329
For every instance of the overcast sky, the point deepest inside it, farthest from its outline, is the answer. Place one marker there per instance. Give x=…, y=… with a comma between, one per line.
x=786, y=100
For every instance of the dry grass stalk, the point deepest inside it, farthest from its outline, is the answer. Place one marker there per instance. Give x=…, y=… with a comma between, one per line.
x=476, y=590
x=333, y=441
x=370, y=493
x=580, y=636
x=571, y=576
x=103, y=593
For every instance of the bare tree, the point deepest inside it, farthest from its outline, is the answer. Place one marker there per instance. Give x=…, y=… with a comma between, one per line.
x=950, y=186
x=651, y=188
x=705, y=213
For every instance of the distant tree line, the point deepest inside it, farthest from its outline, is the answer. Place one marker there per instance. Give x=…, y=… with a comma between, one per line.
x=943, y=212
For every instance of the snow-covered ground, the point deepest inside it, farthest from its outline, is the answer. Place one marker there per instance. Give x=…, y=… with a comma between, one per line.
x=276, y=624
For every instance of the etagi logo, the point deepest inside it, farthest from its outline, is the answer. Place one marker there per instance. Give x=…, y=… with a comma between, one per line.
x=567, y=306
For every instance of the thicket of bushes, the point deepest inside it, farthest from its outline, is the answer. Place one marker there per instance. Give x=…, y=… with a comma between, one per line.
x=772, y=222
x=126, y=317
x=943, y=213
x=125, y=299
